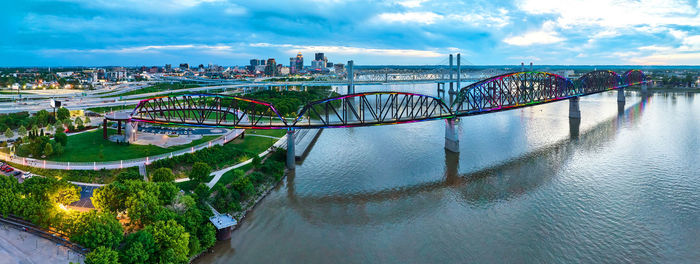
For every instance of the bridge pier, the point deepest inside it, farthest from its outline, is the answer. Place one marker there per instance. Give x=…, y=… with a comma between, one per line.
x=621, y=95
x=644, y=88
x=104, y=128
x=451, y=135
x=574, y=110
x=574, y=124
x=351, y=78
x=290, y=149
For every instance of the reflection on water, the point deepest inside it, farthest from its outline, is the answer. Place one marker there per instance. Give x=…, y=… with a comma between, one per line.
x=529, y=185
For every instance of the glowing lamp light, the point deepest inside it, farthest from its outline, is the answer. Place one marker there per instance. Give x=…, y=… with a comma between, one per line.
x=63, y=207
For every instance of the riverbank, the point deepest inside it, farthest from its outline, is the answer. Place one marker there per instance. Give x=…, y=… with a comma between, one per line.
x=251, y=203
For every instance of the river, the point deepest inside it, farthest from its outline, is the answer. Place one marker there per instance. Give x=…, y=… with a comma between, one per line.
x=527, y=186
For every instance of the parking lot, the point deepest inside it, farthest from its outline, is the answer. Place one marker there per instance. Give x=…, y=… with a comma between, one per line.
x=8, y=170
x=85, y=195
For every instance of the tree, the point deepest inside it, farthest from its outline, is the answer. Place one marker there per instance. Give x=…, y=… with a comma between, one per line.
x=35, y=130
x=42, y=118
x=48, y=149
x=167, y=192
x=78, y=121
x=61, y=138
x=64, y=193
x=87, y=120
x=58, y=126
x=163, y=175
x=8, y=133
x=243, y=186
x=102, y=255
x=97, y=229
x=202, y=192
x=142, y=206
x=171, y=242
x=128, y=175
x=200, y=172
x=62, y=114
x=138, y=248
x=109, y=198
x=22, y=131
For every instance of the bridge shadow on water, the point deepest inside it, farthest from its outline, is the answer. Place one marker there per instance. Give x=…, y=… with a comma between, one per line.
x=482, y=188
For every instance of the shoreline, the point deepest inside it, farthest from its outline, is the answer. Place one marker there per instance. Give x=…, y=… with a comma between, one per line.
x=243, y=214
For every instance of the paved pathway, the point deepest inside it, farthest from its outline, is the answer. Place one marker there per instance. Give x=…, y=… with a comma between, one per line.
x=117, y=164
x=281, y=143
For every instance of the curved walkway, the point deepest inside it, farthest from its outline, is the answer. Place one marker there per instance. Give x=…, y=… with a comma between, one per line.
x=118, y=164
x=280, y=143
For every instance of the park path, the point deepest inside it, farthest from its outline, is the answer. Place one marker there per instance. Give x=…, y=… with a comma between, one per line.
x=118, y=164
x=281, y=143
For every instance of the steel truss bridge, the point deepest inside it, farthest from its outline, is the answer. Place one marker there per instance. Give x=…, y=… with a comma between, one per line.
x=497, y=93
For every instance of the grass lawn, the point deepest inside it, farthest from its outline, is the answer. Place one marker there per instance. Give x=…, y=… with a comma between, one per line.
x=253, y=144
x=267, y=132
x=90, y=146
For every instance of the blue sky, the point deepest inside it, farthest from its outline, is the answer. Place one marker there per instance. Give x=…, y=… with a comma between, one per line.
x=226, y=32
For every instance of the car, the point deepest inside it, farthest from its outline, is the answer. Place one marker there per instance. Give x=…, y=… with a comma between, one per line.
x=17, y=173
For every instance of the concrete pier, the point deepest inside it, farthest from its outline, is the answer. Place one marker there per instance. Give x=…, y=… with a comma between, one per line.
x=574, y=110
x=351, y=78
x=290, y=149
x=451, y=135
x=621, y=95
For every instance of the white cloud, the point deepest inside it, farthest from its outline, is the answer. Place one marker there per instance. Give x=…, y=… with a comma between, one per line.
x=344, y=50
x=411, y=3
x=614, y=13
x=483, y=19
x=149, y=49
x=545, y=35
x=668, y=59
x=410, y=17
x=150, y=6
x=235, y=10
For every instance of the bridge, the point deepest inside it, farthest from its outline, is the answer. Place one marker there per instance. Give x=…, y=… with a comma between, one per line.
x=498, y=93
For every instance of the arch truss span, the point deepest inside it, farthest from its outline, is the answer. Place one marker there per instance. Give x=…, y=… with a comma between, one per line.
x=512, y=90
x=633, y=77
x=372, y=108
x=209, y=110
x=597, y=81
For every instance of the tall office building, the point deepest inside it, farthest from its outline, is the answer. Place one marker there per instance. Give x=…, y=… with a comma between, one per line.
x=300, y=62
x=319, y=56
x=292, y=65
x=271, y=67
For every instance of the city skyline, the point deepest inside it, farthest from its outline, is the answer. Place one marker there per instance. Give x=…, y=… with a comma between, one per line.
x=85, y=33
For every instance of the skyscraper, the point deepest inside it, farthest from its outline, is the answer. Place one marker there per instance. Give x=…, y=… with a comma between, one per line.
x=319, y=56
x=271, y=67
x=293, y=65
x=300, y=62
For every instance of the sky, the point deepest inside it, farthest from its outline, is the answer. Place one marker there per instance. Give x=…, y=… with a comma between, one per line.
x=402, y=32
